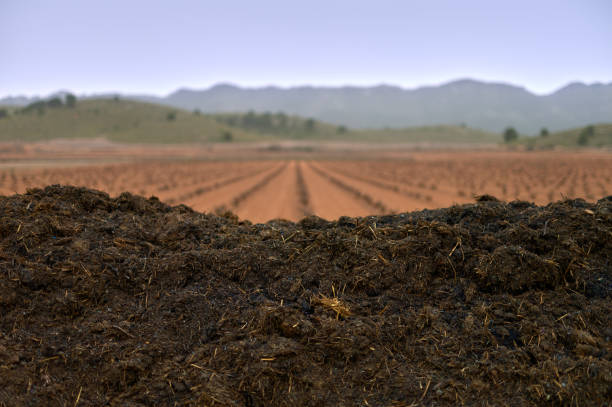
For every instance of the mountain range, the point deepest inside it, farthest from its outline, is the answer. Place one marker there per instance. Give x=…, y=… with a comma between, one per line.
x=484, y=105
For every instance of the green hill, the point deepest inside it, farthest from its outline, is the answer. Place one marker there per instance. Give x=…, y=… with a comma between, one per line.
x=598, y=135
x=139, y=122
x=116, y=120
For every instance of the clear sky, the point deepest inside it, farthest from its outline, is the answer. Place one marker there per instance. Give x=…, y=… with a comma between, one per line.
x=153, y=46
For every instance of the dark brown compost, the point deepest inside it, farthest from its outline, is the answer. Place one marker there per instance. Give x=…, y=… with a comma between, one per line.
x=130, y=302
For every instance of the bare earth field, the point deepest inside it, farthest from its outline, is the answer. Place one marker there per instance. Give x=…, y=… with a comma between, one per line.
x=264, y=182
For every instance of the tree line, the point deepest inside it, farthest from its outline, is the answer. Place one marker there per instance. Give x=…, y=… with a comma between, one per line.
x=69, y=101
x=585, y=135
x=270, y=122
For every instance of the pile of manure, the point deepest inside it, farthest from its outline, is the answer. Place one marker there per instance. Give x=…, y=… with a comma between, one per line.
x=131, y=302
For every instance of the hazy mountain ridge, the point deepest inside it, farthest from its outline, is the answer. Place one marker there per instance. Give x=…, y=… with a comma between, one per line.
x=489, y=106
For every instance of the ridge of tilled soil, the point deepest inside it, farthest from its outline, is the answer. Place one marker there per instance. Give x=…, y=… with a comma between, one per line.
x=131, y=302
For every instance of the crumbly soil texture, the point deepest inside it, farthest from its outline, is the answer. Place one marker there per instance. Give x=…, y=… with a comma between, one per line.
x=130, y=302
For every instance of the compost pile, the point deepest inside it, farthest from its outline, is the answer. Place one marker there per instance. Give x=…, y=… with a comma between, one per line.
x=131, y=302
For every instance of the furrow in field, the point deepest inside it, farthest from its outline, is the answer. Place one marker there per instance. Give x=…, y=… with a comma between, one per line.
x=357, y=191
x=433, y=194
x=225, y=195
x=160, y=179
x=239, y=199
x=302, y=191
x=329, y=200
x=274, y=197
x=206, y=187
x=173, y=183
x=394, y=195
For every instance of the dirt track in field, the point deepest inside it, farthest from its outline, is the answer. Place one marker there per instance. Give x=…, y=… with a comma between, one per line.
x=260, y=190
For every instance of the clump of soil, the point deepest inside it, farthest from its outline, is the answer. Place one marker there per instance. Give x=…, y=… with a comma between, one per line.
x=128, y=301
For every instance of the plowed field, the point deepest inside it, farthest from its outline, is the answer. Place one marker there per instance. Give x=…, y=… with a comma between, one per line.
x=292, y=188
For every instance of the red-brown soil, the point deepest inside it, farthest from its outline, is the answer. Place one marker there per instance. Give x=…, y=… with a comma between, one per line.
x=129, y=302
x=278, y=198
x=278, y=187
x=329, y=200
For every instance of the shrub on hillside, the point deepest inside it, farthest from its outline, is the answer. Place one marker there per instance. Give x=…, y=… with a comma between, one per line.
x=38, y=107
x=55, y=102
x=309, y=125
x=70, y=100
x=586, y=134
x=227, y=136
x=510, y=135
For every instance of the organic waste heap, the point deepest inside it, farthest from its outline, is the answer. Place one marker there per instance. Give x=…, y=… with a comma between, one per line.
x=128, y=301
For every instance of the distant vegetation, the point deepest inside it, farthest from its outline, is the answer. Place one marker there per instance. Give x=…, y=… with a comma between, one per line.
x=427, y=134
x=281, y=125
x=592, y=136
x=277, y=125
x=70, y=100
x=510, y=135
x=52, y=103
x=586, y=135
x=596, y=135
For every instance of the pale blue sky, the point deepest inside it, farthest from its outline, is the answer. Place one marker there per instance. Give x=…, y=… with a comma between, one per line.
x=157, y=46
